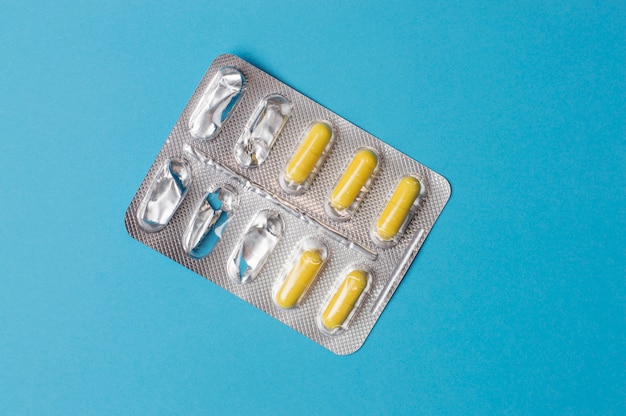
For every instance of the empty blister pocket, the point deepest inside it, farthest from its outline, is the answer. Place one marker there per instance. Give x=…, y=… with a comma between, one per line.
x=262, y=130
x=209, y=221
x=216, y=103
x=165, y=194
x=255, y=246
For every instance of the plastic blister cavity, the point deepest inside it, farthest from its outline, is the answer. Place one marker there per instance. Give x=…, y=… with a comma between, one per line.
x=262, y=130
x=255, y=246
x=217, y=103
x=305, y=264
x=344, y=299
x=353, y=184
x=209, y=221
x=166, y=192
x=308, y=158
x=398, y=211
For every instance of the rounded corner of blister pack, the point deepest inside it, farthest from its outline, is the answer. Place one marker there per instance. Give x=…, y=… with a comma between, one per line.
x=253, y=191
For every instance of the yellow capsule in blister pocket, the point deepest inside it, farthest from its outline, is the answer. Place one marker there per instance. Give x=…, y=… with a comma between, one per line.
x=356, y=175
x=344, y=300
x=398, y=208
x=308, y=156
x=298, y=279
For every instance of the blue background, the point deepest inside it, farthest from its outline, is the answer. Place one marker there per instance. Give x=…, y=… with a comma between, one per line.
x=515, y=305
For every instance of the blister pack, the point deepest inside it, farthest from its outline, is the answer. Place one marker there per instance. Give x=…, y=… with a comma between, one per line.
x=286, y=205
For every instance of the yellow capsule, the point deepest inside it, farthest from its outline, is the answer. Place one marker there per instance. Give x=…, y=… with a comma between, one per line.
x=299, y=279
x=344, y=299
x=353, y=179
x=308, y=153
x=398, y=208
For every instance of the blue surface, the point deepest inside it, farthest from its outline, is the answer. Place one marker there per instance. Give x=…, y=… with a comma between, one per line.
x=516, y=303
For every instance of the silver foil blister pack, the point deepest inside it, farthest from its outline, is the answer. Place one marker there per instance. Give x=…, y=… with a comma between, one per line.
x=286, y=205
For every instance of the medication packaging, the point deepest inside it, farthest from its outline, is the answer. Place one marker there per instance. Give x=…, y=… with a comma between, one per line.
x=286, y=205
